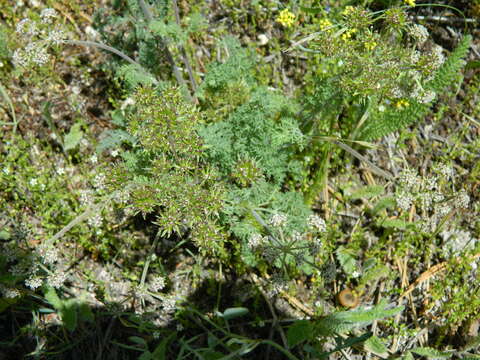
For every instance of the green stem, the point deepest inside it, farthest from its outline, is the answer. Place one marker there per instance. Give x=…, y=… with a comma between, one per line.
x=320, y=176
x=164, y=44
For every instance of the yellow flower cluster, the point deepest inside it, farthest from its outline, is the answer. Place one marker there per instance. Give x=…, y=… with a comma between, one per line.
x=348, y=10
x=286, y=18
x=370, y=45
x=401, y=104
x=325, y=24
x=410, y=2
x=348, y=34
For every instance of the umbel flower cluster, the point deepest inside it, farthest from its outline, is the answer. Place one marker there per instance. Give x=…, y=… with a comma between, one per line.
x=284, y=249
x=37, y=268
x=393, y=64
x=429, y=196
x=37, y=37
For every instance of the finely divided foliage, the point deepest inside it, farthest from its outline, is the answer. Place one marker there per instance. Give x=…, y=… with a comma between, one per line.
x=233, y=177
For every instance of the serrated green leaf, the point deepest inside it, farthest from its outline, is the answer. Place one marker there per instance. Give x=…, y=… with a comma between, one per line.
x=147, y=355
x=407, y=356
x=344, y=321
x=52, y=297
x=138, y=340
x=368, y=192
x=298, y=332
x=394, y=223
x=73, y=138
x=85, y=312
x=346, y=260
x=69, y=316
x=160, y=351
x=376, y=346
x=388, y=202
x=431, y=353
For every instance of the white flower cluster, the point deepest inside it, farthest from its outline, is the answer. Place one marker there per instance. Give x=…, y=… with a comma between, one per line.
x=37, y=37
x=9, y=293
x=427, y=194
x=47, y=15
x=48, y=254
x=438, y=57
x=278, y=220
x=56, y=279
x=317, y=223
x=157, y=283
x=34, y=282
x=99, y=181
x=255, y=241
x=27, y=28
x=95, y=220
x=169, y=304
x=419, y=33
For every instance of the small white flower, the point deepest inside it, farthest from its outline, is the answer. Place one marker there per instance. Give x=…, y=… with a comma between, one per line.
x=61, y=171
x=317, y=222
x=427, y=97
x=169, y=304
x=11, y=293
x=56, y=37
x=463, y=200
x=438, y=57
x=278, y=220
x=47, y=15
x=40, y=56
x=56, y=279
x=99, y=181
x=404, y=201
x=48, y=254
x=33, y=182
x=20, y=58
x=114, y=153
x=157, y=284
x=92, y=33
x=95, y=221
x=255, y=241
x=419, y=33
x=33, y=282
x=415, y=56
x=355, y=274
x=27, y=28
x=446, y=170
x=94, y=159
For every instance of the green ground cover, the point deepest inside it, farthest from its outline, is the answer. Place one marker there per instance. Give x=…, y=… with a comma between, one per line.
x=239, y=179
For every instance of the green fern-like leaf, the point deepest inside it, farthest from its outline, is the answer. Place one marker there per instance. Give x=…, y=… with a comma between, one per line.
x=344, y=321
x=450, y=68
x=384, y=123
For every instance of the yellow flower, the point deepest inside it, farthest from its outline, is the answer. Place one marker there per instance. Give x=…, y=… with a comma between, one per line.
x=370, y=45
x=401, y=104
x=325, y=24
x=348, y=10
x=286, y=18
x=348, y=34
x=410, y=2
